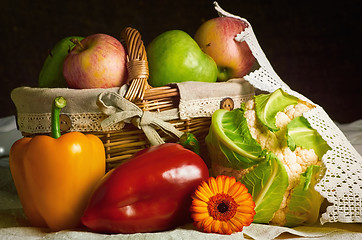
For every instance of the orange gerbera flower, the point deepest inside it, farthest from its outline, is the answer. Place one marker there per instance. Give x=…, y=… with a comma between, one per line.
x=222, y=205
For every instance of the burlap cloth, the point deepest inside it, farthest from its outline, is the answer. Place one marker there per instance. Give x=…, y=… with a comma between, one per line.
x=88, y=109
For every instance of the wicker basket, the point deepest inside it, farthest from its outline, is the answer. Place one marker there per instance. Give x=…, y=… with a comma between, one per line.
x=122, y=144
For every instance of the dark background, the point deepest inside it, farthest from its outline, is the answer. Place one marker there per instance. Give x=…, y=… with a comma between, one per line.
x=313, y=46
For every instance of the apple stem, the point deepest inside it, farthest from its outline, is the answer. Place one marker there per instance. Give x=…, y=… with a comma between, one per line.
x=77, y=42
x=224, y=73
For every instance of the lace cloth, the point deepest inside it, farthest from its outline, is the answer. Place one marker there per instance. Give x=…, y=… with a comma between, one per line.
x=33, y=107
x=342, y=183
x=211, y=96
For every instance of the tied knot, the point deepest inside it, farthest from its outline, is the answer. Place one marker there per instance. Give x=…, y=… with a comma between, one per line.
x=118, y=109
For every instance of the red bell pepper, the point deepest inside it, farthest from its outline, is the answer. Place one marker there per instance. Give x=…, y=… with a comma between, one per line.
x=150, y=192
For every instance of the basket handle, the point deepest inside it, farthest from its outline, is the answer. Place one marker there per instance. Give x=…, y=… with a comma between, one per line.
x=137, y=65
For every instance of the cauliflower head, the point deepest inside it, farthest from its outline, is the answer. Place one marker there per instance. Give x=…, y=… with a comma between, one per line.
x=268, y=142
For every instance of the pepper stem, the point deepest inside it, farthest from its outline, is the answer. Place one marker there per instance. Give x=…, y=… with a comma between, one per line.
x=189, y=141
x=58, y=104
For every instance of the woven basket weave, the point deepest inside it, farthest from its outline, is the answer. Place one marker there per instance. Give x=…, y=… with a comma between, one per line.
x=122, y=143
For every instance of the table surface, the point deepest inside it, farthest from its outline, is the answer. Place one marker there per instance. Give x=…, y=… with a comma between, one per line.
x=13, y=224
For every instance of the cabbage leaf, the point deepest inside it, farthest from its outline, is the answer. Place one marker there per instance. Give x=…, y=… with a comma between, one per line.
x=268, y=105
x=300, y=133
x=230, y=142
x=305, y=201
x=267, y=184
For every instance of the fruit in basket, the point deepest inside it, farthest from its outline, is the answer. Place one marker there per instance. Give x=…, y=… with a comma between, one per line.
x=98, y=61
x=55, y=175
x=150, y=192
x=272, y=149
x=174, y=56
x=51, y=74
x=216, y=38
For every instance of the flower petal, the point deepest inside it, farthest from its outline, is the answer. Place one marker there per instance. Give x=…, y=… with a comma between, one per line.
x=235, y=189
x=229, y=181
x=207, y=224
x=245, y=219
x=198, y=217
x=220, y=181
x=236, y=225
x=245, y=209
x=216, y=226
x=197, y=209
x=213, y=185
x=204, y=192
x=242, y=194
x=246, y=203
x=201, y=196
x=205, y=189
x=199, y=203
x=226, y=228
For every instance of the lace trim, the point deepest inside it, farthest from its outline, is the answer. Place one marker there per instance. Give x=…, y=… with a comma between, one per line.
x=342, y=183
x=206, y=107
x=40, y=123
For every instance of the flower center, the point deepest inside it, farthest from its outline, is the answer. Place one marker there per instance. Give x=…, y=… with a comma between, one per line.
x=222, y=207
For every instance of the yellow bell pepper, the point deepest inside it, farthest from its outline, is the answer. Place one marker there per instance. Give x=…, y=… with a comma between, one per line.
x=55, y=175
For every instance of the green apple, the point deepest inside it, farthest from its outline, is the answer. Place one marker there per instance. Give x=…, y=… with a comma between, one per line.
x=216, y=37
x=51, y=74
x=174, y=56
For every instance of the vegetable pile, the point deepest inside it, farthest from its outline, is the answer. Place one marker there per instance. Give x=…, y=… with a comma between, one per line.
x=271, y=148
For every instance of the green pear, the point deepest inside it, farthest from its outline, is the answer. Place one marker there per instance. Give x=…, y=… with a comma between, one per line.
x=51, y=74
x=174, y=56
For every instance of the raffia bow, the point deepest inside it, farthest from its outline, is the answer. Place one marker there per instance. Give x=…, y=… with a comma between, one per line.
x=120, y=109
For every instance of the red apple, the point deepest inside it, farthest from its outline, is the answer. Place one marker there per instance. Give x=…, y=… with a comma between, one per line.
x=98, y=61
x=216, y=38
